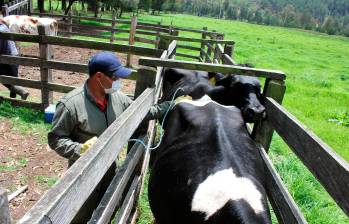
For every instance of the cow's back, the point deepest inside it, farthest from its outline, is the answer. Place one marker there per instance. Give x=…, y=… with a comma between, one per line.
x=207, y=169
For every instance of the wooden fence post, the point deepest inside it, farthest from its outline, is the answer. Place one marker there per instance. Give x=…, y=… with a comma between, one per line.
x=5, y=217
x=164, y=43
x=70, y=25
x=131, y=41
x=30, y=7
x=113, y=23
x=157, y=37
x=228, y=50
x=46, y=74
x=203, y=46
x=145, y=79
x=263, y=131
x=5, y=11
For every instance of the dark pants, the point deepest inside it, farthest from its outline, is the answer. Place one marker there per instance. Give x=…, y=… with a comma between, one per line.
x=85, y=212
x=9, y=70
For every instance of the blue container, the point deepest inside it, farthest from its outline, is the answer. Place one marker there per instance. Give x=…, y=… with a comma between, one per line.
x=49, y=112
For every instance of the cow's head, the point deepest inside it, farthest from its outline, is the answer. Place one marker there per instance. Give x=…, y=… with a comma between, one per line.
x=243, y=92
x=193, y=83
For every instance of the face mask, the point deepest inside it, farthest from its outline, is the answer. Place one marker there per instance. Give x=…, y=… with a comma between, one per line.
x=115, y=87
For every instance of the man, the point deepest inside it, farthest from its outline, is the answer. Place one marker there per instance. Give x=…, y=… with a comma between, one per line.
x=86, y=112
x=8, y=47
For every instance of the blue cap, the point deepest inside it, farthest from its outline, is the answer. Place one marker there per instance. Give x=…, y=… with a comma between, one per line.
x=109, y=64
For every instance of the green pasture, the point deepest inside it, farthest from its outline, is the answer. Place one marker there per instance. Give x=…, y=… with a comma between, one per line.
x=317, y=69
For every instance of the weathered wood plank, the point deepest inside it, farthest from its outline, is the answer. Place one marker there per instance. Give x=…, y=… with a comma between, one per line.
x=113, y=24
x=197, y=40
x=283, y=204
x=152, y=28
x=172, y=48
x=188, y=47
x=123, y=48
x=187, y=56
x=226, y=69
x=5, y=217
x=144, y=40
x=127, y=205
x=60, y=87
x=111, y=199
x=329, y=168
x=22, y=103
x=121, y=21
x=226, y=59
x=88, y=27
x=45, y=73
x=17, y=192
x=20, y=37
x=61, y=203
x=263, y=131
x=17, y=5
x=147, y=33
x=17, y=60
x=20, y=82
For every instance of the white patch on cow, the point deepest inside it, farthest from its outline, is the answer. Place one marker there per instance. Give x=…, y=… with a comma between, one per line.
x=199, y=103
x=203, y=101
x=212, y=194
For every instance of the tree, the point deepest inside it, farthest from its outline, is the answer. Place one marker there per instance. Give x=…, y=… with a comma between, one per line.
x=259, y=16
x=41, y=6
x=232, y=13
x=288, y=15
x=305, y=20
x=144, y=4
x=156, y=5
x=330, y=25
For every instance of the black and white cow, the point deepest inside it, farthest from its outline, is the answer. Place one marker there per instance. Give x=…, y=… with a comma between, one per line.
x=241, y=91
x=207, y=169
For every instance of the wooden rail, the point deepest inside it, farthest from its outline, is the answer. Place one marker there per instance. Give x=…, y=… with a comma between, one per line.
x=225, y=69
x=61, y=203
x=16, y=7
x=330, y=169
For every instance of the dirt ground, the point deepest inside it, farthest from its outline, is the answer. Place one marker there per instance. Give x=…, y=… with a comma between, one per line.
x=23, y=159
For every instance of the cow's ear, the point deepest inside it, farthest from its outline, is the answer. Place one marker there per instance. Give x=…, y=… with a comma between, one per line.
x=214, y=77
x=172, y=75
x=226, y=81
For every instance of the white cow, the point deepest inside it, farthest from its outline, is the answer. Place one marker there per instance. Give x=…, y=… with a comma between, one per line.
x=29, y=24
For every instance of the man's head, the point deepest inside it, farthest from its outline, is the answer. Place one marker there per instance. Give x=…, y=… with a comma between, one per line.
x=105, y=69
x=109, y=64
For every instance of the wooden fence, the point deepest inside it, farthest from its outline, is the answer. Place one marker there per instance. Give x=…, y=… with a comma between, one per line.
x=46, y=63
x=61, y=203
x=330, y=169
x=17, y=7
x=139, y=32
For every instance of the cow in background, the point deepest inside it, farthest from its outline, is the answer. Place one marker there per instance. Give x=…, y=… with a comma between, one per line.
x=29, y=24
x=207, y=169
x=241, y=91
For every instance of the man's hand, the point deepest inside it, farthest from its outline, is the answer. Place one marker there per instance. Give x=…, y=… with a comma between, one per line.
x=87, y=145
x=181, y=98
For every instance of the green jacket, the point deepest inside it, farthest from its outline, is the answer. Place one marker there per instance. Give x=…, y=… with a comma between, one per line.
x=77, y=119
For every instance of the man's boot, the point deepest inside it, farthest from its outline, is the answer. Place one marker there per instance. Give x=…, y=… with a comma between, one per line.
x=18, y=90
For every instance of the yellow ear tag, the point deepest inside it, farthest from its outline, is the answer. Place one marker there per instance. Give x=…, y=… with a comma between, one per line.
x=212, y=81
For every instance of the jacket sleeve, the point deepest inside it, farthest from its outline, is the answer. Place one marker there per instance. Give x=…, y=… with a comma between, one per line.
x=59, y=137
x=158, y=111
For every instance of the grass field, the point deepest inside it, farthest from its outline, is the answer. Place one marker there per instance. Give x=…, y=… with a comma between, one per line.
x=317, y=69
